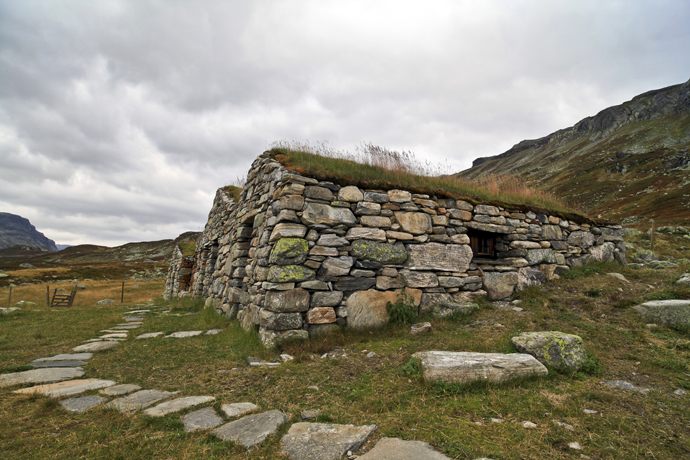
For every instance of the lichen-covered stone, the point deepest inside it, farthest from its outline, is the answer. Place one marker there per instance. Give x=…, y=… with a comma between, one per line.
x=289, y=251
x=270, y=338
x=500, y=285
x=287, y=230
x=293, y=300
x=383, y=253
x=326, y=299
x=317, y=213
x=540, y=256
x=602, y=253
x=553, y=348
x=279, y=321
x=665, y=312
x=530, y=277
x=437, y=256
x=581, y=239
x=290, y=273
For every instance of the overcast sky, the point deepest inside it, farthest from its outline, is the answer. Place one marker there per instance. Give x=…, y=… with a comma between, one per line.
x=120, y=119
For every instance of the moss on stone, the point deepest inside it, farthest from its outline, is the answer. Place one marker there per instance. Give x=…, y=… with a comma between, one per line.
x=289, y=251
x=383, y=253
x=552, y=348
x=290, y=273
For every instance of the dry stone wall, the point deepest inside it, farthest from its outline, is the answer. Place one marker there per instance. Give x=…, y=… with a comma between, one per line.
x=297, y=256
x=178, y=280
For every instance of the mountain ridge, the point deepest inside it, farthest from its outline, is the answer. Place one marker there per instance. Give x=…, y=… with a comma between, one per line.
x=628, y=162
x=17, y=231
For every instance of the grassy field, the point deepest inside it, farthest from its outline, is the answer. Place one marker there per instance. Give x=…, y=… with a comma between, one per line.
x=385, y=389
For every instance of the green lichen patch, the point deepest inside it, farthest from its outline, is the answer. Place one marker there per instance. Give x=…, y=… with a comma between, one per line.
x=290, y=273
x=552, y=348
x=289, y=251
x=383, y=253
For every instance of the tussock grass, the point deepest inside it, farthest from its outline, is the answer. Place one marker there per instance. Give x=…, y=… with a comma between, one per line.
x=377, y=167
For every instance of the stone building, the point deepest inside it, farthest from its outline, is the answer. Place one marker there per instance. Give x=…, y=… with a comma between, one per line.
x=297, y=256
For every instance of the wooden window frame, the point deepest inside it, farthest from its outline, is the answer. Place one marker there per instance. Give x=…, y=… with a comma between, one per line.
x=483, y=245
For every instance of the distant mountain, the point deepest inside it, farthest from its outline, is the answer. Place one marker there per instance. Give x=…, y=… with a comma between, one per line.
x=60, y=247
x=18, y=231
x=628, y=163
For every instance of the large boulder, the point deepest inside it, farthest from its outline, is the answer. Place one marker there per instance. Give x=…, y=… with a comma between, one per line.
x=602, y=253
x=499, y=285
x=293, y=300
x=665, y=312
x=321, y=441
x=367, y=309
x=556, y=349
x=468, y=367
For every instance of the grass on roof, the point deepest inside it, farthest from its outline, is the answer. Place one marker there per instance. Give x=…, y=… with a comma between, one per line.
x=188, y=248
x=374, y=167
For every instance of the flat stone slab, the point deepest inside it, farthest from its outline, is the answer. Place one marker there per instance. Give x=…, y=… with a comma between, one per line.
x=82, y=404
x=557, y=349
x=252, y=429
x=96, y=346
x=177, y=405
x=68, y=388
x=40, y=376
x=104, y=340
x=126, y=327
x=202, y=419
x=397, y=449
x=122, y=389
x=237, y=409
x=666, y=312
x=466, y=367
x=134, y=319
x=137, y=312
x=183, y=334
x=45, y=364
x=149, y=335
x=64, y=357
x=322, y=441
x=139, y=400
x=114, y=335
x=213, y=331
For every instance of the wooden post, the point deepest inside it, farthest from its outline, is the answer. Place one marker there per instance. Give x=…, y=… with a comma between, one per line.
x=652, y=234
x=9, y=301
x=122, y=298
x=47, y=296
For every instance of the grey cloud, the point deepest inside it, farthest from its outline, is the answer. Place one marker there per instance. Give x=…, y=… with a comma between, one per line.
x=119, y=119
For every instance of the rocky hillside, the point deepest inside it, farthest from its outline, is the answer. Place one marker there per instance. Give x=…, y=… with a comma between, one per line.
x=18, y=231
x=629, y=162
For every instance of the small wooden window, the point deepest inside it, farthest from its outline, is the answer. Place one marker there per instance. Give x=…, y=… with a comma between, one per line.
x=483, y=244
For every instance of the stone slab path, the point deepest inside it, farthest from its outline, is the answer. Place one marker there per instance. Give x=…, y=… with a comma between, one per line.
x=321, y=441
x=252, y=429
x=71, y=387
x=64, y=357
x=46, y=364
x=237, y=409
x=119, y=390
x=58, y=376
x=397, y=449
x=202, y=419
x=96, y=346
x=40, y=376
x=82, y=404
x=139, y=400
x=177, y=405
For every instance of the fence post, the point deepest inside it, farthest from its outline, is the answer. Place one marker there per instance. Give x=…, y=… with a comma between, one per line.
x=122, y=297
x=652, y=234
x=47, y=296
